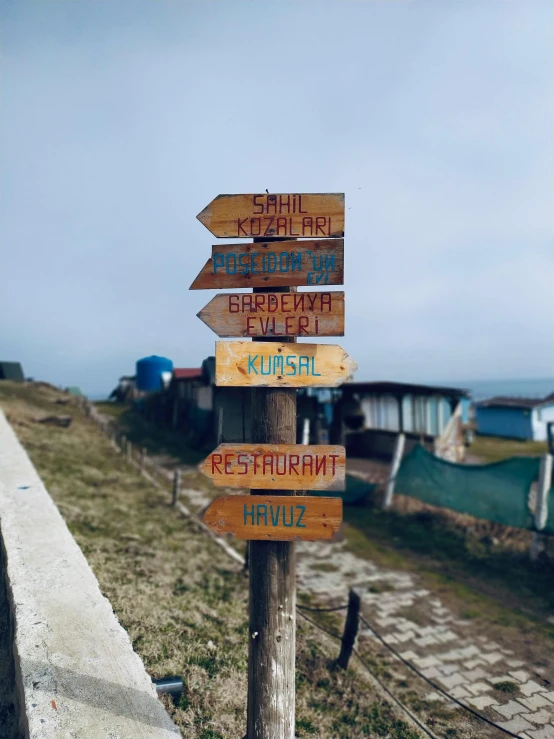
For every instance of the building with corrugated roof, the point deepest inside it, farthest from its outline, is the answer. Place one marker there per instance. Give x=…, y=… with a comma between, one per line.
x=515, y=418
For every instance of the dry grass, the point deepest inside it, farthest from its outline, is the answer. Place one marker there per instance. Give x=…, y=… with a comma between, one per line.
x=181, y=599
x=494, y=449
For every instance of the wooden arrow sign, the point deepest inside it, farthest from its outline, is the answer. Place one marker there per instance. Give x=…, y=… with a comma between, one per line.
x=268, y=364
x=273, y=264
x=296, y=215
x=276, y=314
x=277, y=466
x=276, y=517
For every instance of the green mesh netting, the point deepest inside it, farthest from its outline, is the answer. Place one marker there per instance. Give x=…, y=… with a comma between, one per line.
x=497, y=492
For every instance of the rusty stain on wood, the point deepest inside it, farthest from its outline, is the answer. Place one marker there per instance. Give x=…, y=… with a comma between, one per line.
x=272, y=364
x=293, y=215
x=273, y=264
x=275, y=518
x=276, y=314
x=277, y=466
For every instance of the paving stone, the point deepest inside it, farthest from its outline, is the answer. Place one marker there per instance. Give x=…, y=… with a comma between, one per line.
x=408, y=655
x=404, y=636
x=404, y=625
x=471, y=651
x=531, y=687
x=493, y=658
x=550, y=696
x=478, y=688
x=432, y=672
x=476, y=674
x=390, y=639
x=459, y=692
x=516, y=725
x=510, y=709
x=453, y=655
x=536, y=701
x=451, y=681
x=514, y=663
x=473, y=663
x=491, y=645
x=425, y=641
x=426, y=661
x=449, y=669
x=447, y=636
x=384, y=622
x=539, y=717
x=519, y=675
x=483, y=701
x=547, y=732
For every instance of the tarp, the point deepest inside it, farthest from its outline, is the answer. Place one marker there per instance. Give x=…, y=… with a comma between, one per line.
x=496, y=492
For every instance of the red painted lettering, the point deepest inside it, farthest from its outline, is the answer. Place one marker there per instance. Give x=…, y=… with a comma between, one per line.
x=307, y=223
x=300, y=205
x=258, y=205
x=303, y=323
x=243, y=463
x=269, y=230
x=294, y=465
x=216, y=461
x=289, y=325
x=307, y=464
x=228, y=457
x=326, y=301
x=282, y=224
x=271, y=204
x=255, y=226
x=284, y=204
x=268, y=463
x=250, y=328
x=333, y=457
x=320, y=222
x=241, y=227
x=320, y=464
x=233, y=303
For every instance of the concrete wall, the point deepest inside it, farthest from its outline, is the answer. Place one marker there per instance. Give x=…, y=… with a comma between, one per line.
x=512, y=423
x=539, y=419
x=77, y=676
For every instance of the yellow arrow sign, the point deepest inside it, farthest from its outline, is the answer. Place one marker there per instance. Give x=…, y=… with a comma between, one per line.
x=296, y=215
x=269, y=364
x=275, y=517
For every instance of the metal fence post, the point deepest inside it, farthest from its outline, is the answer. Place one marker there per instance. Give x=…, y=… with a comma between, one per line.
x=395, y=466
x=350, y=629
x=541, y=510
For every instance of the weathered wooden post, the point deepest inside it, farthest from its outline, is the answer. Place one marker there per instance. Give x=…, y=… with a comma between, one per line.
x=176, y=485
x=350, y=629
x=541, y=509
x=274, y=370
x=395, y=466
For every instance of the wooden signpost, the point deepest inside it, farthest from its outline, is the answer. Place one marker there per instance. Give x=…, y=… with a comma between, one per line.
x=277, y=466
x=294, y=215
x=263, y=364
x=275, y=518
x=273, y=264
x=298, y=241
x=275, y=314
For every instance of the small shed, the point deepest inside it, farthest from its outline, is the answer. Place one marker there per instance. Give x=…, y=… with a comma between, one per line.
x=515, y=418
x=369, y=416
x=11, y=371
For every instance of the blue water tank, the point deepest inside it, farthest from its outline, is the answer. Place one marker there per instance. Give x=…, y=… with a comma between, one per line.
x=149, y=372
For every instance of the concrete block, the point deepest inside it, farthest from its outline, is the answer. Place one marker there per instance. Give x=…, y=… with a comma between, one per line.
x=478, y=688
x=519, y=675
x=539, y=717
x=536, y=701
x=510, y=709
x=547, y=732
x=483, y=701
x=69, y=646
x=531, y=687
x=516, y=725
x=451, y=681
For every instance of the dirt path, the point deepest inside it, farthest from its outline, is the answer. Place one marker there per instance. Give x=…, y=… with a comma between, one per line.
x=464, y=661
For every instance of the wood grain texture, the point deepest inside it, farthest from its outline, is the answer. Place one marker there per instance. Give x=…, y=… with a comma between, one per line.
x=272, y=364
x=276, y=314
x=275, y=518
x=277, y=466
x=271, y=264
x=292, y=215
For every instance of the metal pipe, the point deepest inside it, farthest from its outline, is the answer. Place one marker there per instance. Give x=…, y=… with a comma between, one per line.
x=171, y=685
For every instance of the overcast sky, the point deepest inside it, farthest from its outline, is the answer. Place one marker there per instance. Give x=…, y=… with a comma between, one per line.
x=120, y=121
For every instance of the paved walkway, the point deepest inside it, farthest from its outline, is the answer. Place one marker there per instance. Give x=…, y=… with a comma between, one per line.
x=445, y=649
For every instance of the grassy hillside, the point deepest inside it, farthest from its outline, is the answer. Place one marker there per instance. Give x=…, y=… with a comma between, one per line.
x=183, y=602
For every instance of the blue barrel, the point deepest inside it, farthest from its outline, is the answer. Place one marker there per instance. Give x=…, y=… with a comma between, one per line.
x=149, y=372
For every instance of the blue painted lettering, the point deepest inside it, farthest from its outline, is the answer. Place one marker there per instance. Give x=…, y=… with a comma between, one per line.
x=251, y=366
x=302, y=512
x=261, y=512
x=248, y=513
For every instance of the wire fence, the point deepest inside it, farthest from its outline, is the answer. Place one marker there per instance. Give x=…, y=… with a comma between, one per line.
x=161, y=478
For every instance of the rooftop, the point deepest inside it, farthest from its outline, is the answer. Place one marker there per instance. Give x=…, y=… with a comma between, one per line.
x=187, y=373
x=515, y=402
x=404, y=388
